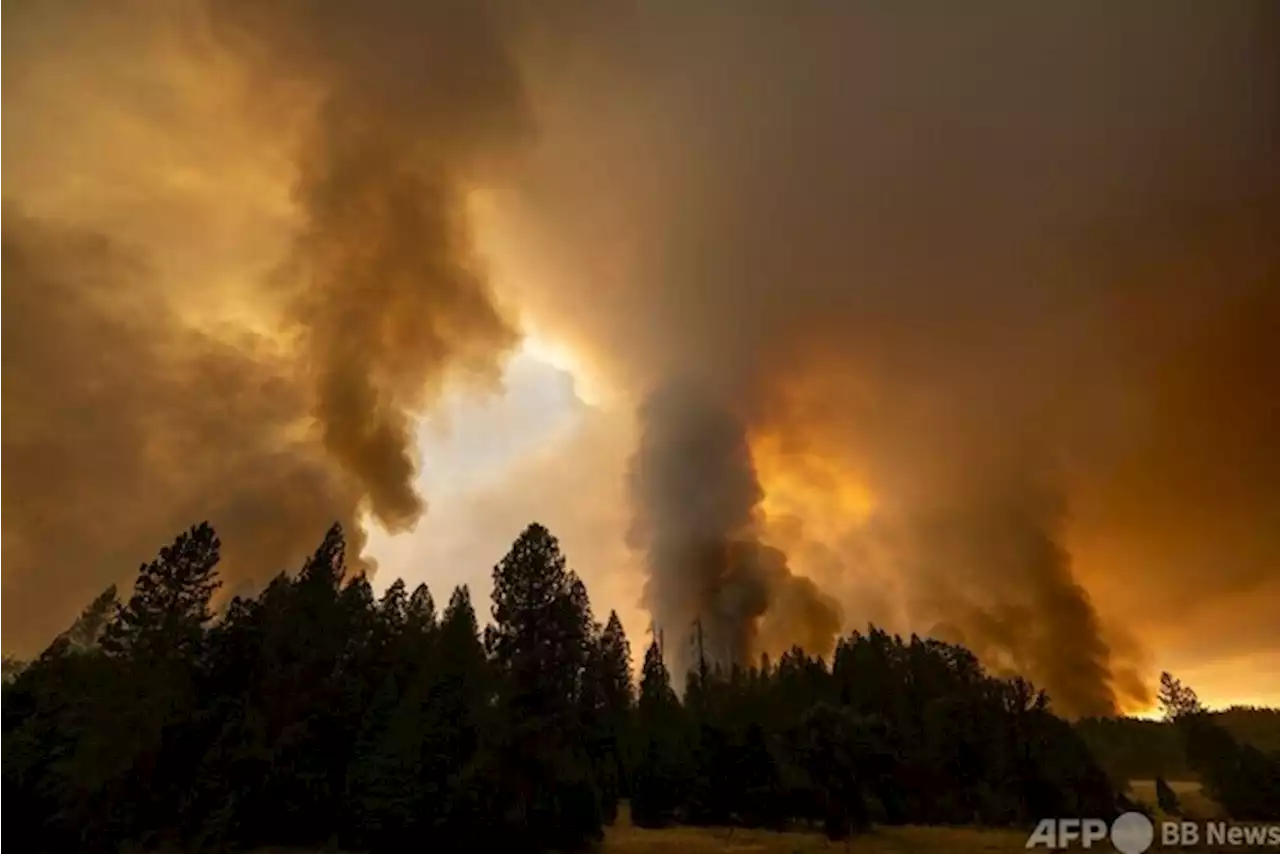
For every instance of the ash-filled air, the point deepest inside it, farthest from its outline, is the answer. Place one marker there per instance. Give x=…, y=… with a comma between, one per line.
x=715, y=587
x=963, y=323
x=980, y=306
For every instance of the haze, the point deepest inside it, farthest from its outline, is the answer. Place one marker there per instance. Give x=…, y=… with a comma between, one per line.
x=784, y=318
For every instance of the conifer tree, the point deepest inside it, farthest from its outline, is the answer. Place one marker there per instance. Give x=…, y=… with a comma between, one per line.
x=314, y=714
x=658, y=780
x=542, y=643
x=165, y=617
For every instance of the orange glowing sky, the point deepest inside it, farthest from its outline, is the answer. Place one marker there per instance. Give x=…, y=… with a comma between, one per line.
x=143, y=124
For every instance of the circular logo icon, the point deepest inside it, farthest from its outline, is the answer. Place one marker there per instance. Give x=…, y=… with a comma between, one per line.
x=1132, y=833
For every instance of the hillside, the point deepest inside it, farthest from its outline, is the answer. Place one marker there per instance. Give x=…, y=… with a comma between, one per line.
x=1133, y=748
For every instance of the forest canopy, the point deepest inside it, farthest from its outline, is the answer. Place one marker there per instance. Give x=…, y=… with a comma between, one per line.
x=315, y=713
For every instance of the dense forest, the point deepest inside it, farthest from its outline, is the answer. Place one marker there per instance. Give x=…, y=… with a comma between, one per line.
x=317, y=714
x=1137, y=749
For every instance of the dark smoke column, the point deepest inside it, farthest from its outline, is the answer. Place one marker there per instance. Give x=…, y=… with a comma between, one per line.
x=381, y=287
x=695, y=498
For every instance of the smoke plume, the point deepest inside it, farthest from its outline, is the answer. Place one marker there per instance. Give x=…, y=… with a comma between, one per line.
x=122, y=425
x=963, y=321
x=381, y=282
x=712, y=580
x=125, y=424
x=979, y=268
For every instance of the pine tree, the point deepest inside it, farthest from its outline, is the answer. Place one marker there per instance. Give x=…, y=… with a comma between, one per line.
x=393, y=609
x=657, y=788
x=136, y=739
x=300, y=718
x=617, y=703
x=420, y=613
x=458, y=724
x=615, y=667
x=462, y=663
x=541, y=625
x=1177, y=700
x=166, y=615
x=541, y=642
x=606, y=704
x=313, y=715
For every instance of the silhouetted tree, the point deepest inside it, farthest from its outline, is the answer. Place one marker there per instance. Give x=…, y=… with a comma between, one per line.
x=607, y=702
x=657, y=788
x=316, y=714
x=826, y=746
x=542, y=643
x=166, y=616
x=1240, y=777
x=1177, y=700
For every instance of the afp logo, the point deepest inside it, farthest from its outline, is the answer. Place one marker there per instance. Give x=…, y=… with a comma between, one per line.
x=1131, y=833
x=1066, y=832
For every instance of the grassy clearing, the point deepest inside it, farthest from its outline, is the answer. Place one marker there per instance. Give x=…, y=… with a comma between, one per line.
x=1194, y=803
x=625, y=839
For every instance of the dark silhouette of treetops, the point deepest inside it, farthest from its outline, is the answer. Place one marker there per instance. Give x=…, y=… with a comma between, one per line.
x=314, y=713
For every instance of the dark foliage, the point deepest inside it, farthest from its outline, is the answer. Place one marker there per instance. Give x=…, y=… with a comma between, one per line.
x=894, y=731
x=1230, y=752
x=315, y=714
x=1240, y=777
x=1136, y=749
x=1165, y=797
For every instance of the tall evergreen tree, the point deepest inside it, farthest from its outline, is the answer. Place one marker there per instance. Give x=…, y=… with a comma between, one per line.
x=606, y=704
x=137, y=742
x=169, y=609
x=658, y=783
x=420, y=612
x=541, y=642
x=541, y=632
x=315, y=714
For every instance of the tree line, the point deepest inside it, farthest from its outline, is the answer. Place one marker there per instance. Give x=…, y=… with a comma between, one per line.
x=315, y=714
x=1241, y=777
x=1138, y=749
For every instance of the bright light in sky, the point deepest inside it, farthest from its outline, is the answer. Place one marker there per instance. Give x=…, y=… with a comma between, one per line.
x=468, y=445
x=535, y=450
x=477, y=451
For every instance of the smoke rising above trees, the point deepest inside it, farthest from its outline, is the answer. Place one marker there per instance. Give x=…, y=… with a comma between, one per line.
x=697, y=497
x=1011, y=274
x=978, y=266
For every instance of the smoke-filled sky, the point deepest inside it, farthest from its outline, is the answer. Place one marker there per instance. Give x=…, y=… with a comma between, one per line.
x=785, y=317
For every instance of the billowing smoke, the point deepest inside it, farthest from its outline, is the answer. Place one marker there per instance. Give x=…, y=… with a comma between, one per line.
x=965, y=321
x=122, y=426
x=981, y=267
x=712, y=580
x=125, y=424
x=381, y=281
